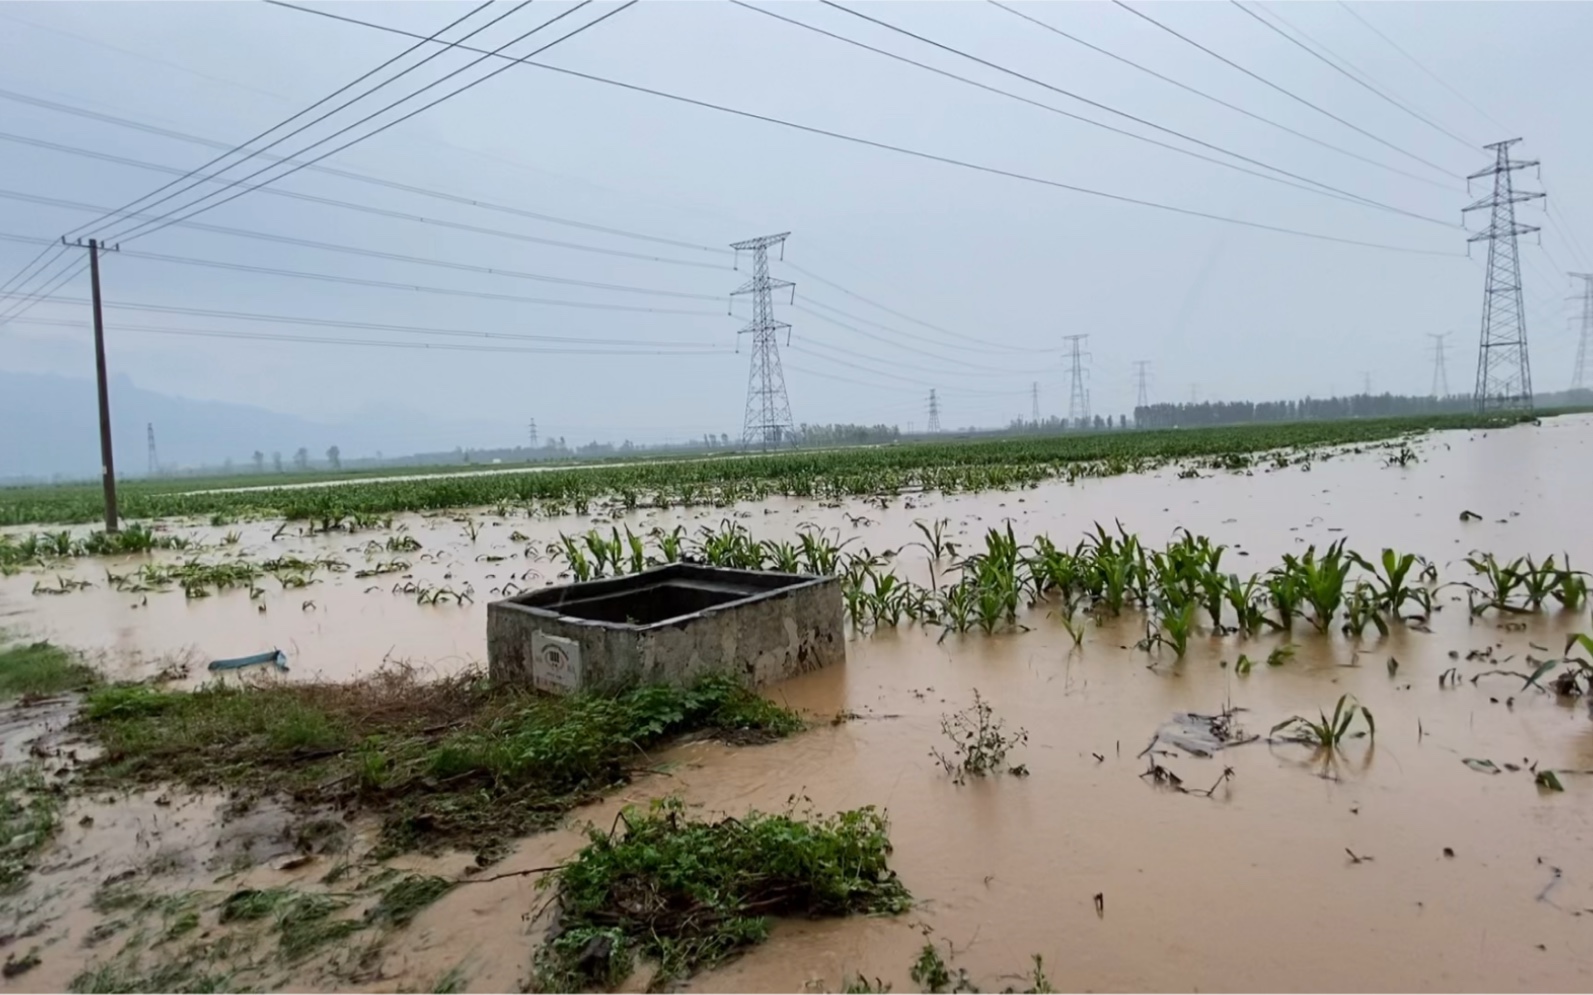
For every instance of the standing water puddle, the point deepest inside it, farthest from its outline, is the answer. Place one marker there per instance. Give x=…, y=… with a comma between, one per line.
x=1389, y=865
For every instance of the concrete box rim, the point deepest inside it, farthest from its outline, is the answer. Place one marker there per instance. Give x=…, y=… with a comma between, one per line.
x=798, y=582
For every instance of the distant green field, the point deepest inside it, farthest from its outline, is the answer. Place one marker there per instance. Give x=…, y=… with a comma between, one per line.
x=953, y=466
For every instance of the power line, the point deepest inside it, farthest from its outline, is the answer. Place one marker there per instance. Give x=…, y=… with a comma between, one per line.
x=903, y=150
x=118, y=212
x=1412, y=60
x=372, y=343
x=1214, y=99
x=384, y=326
x=384, y=284
x=355, y=176
x=981, y=344
x=389, y=285
x=138, y=232
x=74, y=268
x=379, y=254
x=1287, y=93
x=369, y=209
x=1342, y=71
x=962, y=367
x=1321, y=189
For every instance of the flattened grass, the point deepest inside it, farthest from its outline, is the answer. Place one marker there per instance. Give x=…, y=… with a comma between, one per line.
x=40, y=669
x=452, y=762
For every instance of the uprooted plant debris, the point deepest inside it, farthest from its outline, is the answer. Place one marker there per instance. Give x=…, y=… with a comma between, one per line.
x=454, y=762
x=687, y=894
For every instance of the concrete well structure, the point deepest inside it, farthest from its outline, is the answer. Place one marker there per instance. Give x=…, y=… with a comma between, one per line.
x=667, y=625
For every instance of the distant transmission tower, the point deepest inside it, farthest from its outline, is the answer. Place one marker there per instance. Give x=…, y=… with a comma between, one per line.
x=1034, y=401
x=768, y=418
x=1142, y=383
x=1504, y=375
x=1440, y=374
x=1078, y=397
x=531, y=433
x=1579, y=370
x=934, y=412
x=154, y=460
x=1366, y=383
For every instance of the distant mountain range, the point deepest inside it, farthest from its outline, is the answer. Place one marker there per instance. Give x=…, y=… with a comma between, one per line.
x=49, y=428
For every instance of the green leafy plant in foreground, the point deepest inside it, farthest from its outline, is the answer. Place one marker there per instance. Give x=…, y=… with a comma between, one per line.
x=1330, y=731
x=688, y=893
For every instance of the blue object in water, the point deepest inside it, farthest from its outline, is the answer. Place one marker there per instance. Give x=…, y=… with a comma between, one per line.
x=275, y=658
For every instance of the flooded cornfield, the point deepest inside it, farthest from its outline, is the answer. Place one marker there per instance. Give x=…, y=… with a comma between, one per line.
x=1156, y=824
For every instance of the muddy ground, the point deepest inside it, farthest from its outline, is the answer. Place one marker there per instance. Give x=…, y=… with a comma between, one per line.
x=1394, y=865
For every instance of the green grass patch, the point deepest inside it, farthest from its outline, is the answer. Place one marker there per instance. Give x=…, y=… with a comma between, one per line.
x=688, y=894
x=42, y=669
x=454, y=762
x=29, y=817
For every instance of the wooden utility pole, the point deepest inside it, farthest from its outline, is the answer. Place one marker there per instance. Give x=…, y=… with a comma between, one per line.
x=107, y=462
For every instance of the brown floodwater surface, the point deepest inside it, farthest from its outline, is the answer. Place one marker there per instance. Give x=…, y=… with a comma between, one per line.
x=1253, y=888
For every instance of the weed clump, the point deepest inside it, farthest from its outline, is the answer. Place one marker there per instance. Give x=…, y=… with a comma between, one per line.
x=42, y=669
x=689, y=893
x=980, y=742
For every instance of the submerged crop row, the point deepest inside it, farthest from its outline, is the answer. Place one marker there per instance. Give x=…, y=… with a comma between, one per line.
x=981, y=465
x=1180, y=587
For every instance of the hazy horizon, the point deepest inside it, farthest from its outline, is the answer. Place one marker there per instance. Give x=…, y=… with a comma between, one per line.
x=1000, y=267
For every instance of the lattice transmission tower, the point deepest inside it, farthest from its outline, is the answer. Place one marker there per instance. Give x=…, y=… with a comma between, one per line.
x=1034, y=402
x=934, y=412
x=1078, y=395
x=1142, y=383
x=1440, y=373
x=768, y=417
x=1504, y=374
x=154, y=460
x=1579, y=380
x=531, y=434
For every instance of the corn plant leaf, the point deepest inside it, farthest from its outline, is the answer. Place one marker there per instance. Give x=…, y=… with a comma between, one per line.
x=1549, y=779
x=1543, y=668
x=1481, y=766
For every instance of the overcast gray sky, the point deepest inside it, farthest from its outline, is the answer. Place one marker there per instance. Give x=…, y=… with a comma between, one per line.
x=1242, y=312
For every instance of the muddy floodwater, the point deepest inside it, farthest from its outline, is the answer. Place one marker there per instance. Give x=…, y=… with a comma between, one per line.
x=1394, y=865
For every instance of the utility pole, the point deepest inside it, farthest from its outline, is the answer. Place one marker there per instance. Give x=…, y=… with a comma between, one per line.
x=107, y=462
x=1579, y=370
x=768, y=415
x=1034, y=402
x=154, y=461
x=532, y=433
x=1504, y=375
x=1440, y=374
x=1142, y=383
x=1078, y=397
x=934, y=413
